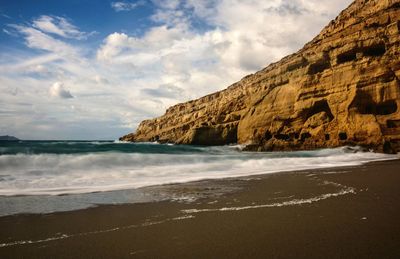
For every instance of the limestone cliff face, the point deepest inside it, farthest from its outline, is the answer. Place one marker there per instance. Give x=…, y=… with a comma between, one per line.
x=342, y=88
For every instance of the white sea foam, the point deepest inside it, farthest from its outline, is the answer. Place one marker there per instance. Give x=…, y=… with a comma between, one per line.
x=294, y=202
x=60, y=236
x=54, y=174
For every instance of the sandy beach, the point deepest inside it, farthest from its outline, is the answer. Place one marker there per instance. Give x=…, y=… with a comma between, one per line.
x=350, y=212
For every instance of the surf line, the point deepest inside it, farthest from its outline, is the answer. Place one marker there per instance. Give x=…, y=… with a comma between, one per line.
x=346, y=190
x=65, y=236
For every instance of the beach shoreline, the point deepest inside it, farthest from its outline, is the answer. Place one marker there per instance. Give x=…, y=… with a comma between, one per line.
x=348, y=212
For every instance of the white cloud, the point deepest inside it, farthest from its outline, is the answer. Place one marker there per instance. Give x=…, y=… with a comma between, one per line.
x=242, y=37
x=58, y=90
x=59, y=26
x=8, y=32
x=101, y=80
x=115, y=43
x=126, y=6
x=38, y=40
x=171, y=4
x=164, y=91
x=5, y=15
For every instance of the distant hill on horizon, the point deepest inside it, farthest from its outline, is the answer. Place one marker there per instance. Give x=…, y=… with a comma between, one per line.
x=9, y=138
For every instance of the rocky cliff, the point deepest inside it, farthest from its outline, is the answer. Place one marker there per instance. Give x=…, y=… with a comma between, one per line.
x=342, y=88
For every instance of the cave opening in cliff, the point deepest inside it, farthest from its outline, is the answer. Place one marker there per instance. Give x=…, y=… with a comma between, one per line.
x=281, y=136
x=305, y=136
x=395, y=6
x=363, y=103
x=376, y=50
x=318, y=67
x=346, y=57
x=342, y=136
x=319, y=106
x=267, y=135
x=386, y=108
x=393, y=124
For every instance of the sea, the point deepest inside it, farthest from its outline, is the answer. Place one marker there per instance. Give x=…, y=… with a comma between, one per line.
x=51, y=176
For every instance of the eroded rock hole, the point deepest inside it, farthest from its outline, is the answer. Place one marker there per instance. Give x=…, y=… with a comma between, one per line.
x=281, y=136
x=318, y=67
x=342, y=136
x=386, y=108
x=346, y=57
x=305, y=136
x=393, y=124
x=267, y=135
x=364, y=104
x=395, y=6
x=375, y=50
x=327, y=137
x=319, y=106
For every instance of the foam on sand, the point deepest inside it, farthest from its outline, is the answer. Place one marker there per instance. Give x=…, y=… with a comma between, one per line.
x=294, y=202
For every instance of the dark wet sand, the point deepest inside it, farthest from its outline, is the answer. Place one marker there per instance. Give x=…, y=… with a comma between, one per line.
x=334, y=213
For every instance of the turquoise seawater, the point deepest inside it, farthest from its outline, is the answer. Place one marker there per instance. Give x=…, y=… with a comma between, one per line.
x=81, y=147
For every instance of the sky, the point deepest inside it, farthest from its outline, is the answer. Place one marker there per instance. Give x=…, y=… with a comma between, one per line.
x=94, y=69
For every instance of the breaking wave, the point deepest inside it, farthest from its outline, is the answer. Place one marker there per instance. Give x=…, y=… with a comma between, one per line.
x=54, y=168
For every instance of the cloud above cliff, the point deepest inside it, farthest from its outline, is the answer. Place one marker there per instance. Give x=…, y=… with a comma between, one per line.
x=58, y=90
x=159, y=53
x=59, y=26
x=163, y=91
x=126, y=6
